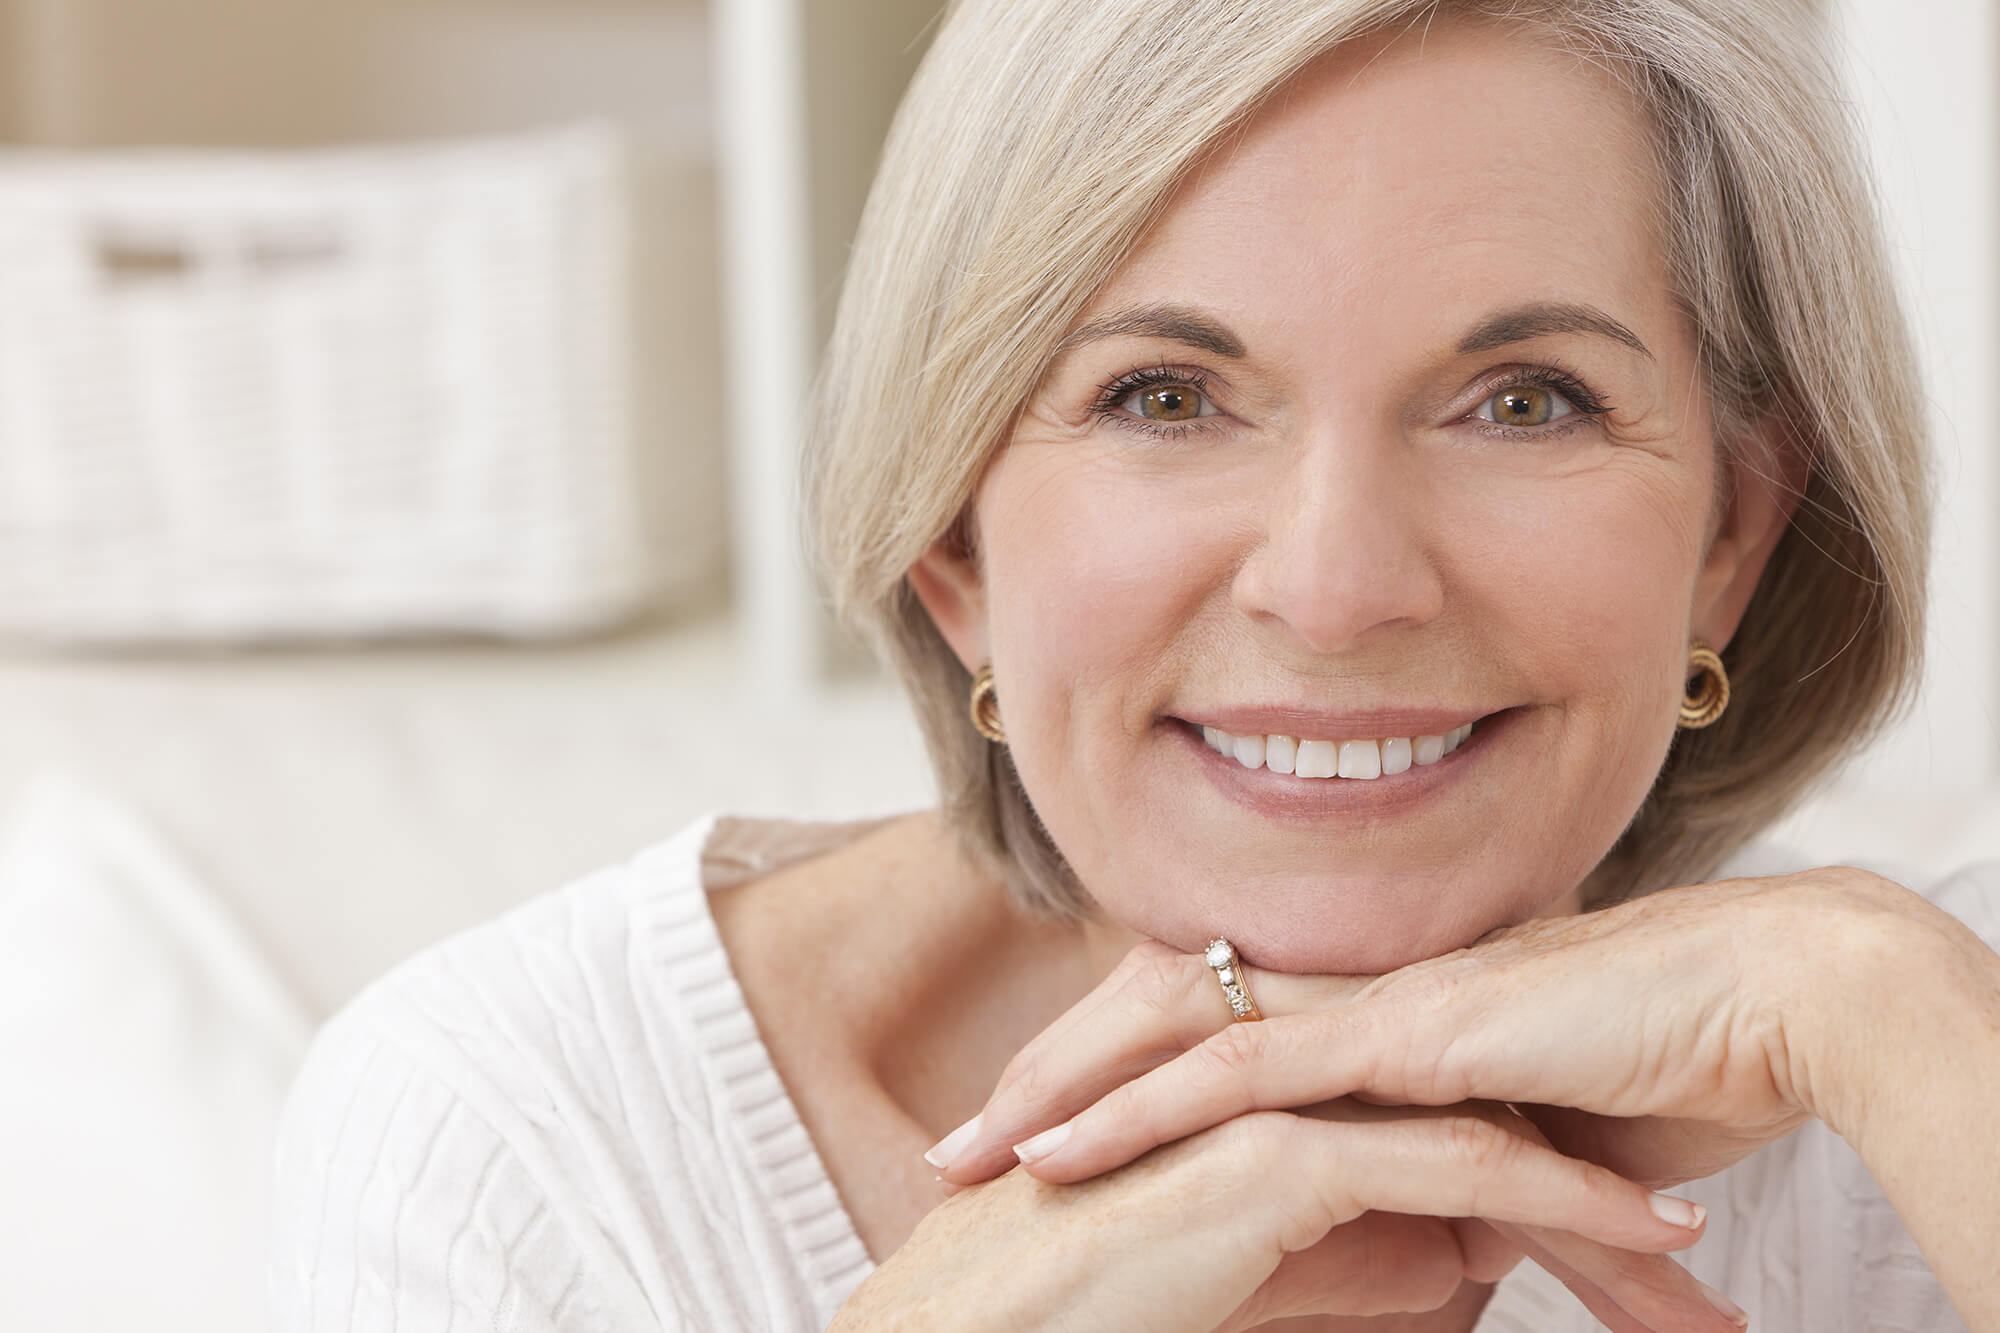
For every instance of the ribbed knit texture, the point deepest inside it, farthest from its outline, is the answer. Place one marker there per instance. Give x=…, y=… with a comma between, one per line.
x=565, y=1120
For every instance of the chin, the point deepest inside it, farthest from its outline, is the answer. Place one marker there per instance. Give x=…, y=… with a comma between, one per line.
x=1367, y=931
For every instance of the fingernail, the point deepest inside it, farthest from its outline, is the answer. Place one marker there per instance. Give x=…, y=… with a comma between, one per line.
x=946, y=1150
x=1727, y=1308
x=1677, y=1212
x=1044, y=1143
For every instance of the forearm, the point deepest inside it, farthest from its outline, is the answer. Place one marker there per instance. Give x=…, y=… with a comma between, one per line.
x=1910, y=1076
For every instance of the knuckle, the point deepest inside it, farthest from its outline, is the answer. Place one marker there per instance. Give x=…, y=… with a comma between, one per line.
x=1143, y=962
x=1025, y=1085
x=1479, y=1146
x=1233, y=1055
x=1164, y=977
x=1160, y=979
x=1254, y=1139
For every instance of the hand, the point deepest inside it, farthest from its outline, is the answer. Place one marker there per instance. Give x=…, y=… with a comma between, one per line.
x=1656, y=1037
x=1343, y=1208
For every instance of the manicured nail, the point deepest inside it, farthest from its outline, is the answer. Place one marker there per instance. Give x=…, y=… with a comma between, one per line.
x=1727, y=1308
x=946, y=1150
x=1677, y=1212
x=1044, y=1143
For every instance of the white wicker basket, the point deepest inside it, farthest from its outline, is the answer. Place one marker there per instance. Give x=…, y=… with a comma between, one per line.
x=346, y=393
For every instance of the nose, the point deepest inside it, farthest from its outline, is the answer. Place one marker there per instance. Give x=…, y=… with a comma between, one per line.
x=1347, y=545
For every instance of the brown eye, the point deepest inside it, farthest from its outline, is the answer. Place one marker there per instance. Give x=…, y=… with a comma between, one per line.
x=1167, y=402
x=1524, y=405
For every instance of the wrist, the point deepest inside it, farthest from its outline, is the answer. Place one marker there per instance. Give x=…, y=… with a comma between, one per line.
x=1887, y=992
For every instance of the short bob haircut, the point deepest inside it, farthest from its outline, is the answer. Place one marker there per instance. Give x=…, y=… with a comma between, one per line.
x=1039, y=140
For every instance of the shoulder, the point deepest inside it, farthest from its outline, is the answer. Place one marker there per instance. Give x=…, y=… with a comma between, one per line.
x=530, y=1124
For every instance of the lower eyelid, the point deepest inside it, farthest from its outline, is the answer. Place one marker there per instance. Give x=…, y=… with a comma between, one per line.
x=1560, y=426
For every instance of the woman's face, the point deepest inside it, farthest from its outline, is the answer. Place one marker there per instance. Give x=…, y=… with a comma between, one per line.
x=1391, y=425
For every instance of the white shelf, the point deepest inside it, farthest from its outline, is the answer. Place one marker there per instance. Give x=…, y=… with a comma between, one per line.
x=804, y=97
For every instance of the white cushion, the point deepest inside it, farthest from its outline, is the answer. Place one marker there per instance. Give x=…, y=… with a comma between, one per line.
x=145, y=1048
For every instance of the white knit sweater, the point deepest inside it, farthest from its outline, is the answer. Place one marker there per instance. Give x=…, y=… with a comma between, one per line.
x=565, y=1120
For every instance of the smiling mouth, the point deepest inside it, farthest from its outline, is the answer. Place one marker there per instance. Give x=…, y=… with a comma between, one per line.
x=1359, y=760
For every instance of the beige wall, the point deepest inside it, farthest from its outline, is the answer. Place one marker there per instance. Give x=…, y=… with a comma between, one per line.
x=859, y=58
x=10, y=82
x=96, y=72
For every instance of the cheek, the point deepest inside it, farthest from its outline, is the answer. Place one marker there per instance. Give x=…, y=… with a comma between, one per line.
x=1095, y=571
x=1598, y=571
x=1584, y=591
x=1100, y=580
x=1111, y=590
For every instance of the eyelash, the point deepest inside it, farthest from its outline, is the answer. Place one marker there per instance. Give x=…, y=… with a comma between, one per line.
x=1111, y=396
x=1565, y=384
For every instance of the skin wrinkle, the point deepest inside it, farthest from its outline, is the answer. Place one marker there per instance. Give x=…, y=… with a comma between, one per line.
x=1341, y=532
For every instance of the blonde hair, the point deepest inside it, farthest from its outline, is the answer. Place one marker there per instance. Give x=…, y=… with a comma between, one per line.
x=1039, y=140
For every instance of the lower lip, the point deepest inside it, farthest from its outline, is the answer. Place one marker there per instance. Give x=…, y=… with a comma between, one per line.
x=1284, y=797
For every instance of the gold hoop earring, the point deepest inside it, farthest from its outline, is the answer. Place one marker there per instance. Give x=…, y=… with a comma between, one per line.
x=1703, y=705
x=986, y=707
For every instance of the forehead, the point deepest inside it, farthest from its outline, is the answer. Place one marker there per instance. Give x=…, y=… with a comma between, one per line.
x=1430, y=173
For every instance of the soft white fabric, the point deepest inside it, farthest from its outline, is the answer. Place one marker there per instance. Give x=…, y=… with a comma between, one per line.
x=565, y=1120
x=147, y=1048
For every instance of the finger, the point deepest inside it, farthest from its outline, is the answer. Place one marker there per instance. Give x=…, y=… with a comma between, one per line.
x=1655, y=1150
x=1290, y=1061
x=1489, y=1255
x=1392, y=1263
x=1144, y=1013
x=1626, y=1289
x=1378, y=1264
x=1157, y=1004
x=1623, y=1288
x=1460, y=1163
x=1607, y=1311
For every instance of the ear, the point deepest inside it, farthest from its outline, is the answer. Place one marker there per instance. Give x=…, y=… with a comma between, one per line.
x=1766, y=480
x=951, y=585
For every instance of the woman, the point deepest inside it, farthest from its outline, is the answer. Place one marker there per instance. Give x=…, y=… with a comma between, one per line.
x=1300, y=457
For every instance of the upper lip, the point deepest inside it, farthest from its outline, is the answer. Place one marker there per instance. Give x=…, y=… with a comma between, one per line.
x=1312, y=723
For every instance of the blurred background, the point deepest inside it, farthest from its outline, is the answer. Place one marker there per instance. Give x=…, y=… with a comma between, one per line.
x=398, y=402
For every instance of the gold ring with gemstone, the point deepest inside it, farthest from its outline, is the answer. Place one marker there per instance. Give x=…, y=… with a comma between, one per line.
x=1221, y=956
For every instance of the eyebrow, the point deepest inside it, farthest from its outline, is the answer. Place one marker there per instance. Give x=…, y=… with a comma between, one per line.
x=1173, y=322
x=1539, y=321
x=1185, y=325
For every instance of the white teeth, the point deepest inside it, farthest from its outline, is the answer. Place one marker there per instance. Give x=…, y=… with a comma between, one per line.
x=1360, y=759
x=1318, y=759
x=1356, y=759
